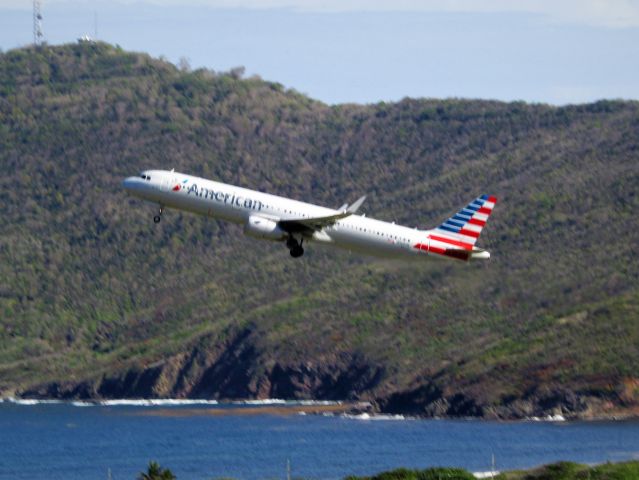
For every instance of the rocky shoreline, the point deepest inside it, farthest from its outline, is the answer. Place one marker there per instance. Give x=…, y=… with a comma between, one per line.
x=250, y=407
x=238, y=369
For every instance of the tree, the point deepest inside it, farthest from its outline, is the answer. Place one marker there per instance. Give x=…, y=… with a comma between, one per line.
x=237, y=72
x=184, y=65
x=155, y=472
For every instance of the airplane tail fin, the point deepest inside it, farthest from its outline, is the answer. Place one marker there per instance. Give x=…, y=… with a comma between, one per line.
x=467, y=224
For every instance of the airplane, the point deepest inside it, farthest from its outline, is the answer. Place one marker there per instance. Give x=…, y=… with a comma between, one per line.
x=281, y=219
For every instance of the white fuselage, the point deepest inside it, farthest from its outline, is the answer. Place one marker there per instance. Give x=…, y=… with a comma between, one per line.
x=241, y=205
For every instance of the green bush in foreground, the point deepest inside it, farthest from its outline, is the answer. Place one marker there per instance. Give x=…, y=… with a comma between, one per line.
x=156, y=472
x=574, y=471
x=428, y=474
x=555, y=471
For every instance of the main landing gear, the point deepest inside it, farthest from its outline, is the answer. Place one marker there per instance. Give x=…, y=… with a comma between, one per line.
x=158, y=217
x=295, y=247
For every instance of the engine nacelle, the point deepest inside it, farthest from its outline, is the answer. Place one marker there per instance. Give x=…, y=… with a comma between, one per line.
x=263, y=228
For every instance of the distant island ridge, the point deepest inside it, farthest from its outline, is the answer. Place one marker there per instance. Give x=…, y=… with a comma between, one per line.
x=97, y=302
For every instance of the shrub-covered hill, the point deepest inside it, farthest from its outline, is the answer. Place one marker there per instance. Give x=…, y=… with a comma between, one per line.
x=96, y=300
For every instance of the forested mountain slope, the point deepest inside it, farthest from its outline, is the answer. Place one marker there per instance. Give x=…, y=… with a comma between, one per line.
x=98, y=301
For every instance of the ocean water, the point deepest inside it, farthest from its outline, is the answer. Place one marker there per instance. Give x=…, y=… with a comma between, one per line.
x=252, y=441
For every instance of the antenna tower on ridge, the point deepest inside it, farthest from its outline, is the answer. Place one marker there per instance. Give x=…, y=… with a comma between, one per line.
x=38, y=36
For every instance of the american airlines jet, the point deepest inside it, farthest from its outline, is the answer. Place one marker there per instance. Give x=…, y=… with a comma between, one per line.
x=270, y=217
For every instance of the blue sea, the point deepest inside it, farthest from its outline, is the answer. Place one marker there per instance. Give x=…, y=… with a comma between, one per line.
x=204, y=441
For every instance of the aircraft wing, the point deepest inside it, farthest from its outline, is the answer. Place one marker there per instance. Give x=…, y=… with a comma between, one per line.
x=317, y=223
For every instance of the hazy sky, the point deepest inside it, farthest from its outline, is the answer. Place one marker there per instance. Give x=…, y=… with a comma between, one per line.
x=370, y=50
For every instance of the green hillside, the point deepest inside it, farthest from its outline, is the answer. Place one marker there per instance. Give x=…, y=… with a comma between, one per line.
x=97, y=300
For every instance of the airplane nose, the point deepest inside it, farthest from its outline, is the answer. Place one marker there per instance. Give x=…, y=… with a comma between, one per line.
x=129, y=183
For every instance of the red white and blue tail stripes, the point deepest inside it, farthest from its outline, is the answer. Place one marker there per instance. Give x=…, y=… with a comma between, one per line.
x=456, y=237
x=466, y=225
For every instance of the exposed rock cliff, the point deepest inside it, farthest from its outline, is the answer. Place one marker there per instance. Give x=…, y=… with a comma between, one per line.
x=237, y=369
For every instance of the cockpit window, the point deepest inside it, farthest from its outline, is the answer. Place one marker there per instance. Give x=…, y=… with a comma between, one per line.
x=143, y=177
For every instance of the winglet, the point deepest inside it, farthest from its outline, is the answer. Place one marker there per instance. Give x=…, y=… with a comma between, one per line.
x=355, y=206
x=343, y=208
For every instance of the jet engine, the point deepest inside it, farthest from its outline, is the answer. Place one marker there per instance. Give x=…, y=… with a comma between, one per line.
x=263, y=228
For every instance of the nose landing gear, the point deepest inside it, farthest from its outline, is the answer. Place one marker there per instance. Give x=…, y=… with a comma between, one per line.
x=158, y=217
x=295, y=247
